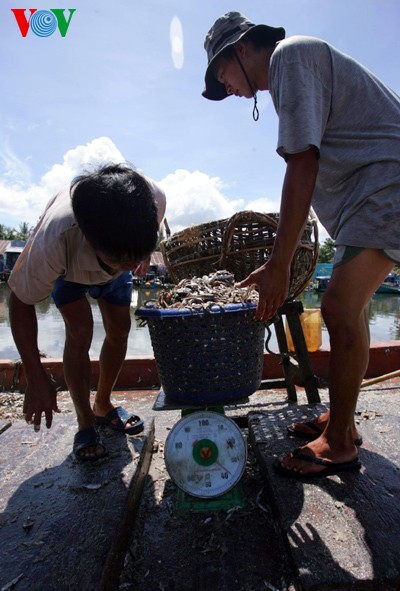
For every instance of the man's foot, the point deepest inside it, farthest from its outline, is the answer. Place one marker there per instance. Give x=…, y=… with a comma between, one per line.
x=121, y=420
x=327, y=469
x=318, y=458
x=311, y=430
x=88, y=446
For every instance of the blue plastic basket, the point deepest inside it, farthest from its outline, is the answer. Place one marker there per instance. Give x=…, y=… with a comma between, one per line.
x=207, y=357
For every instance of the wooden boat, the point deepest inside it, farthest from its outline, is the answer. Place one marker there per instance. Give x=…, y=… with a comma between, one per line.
x=391, y=285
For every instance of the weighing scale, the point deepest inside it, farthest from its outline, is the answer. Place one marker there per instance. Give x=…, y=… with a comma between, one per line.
x=205, y=455
x=206, y=358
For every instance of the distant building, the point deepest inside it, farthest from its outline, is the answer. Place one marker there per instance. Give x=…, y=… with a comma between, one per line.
x=12, y=252
x=4, y=272
x=157, y=264
x=4, y=244
x=9, y=253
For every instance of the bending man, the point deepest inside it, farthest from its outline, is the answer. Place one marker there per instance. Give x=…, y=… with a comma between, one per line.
x=90, y=237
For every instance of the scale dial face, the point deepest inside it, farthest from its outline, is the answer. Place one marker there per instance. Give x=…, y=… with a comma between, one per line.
x=205, y=454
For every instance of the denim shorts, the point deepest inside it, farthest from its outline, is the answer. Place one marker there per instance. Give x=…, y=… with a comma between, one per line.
x=117, y=292
x=345, y=253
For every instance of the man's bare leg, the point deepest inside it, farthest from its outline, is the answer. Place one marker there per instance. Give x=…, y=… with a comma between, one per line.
x=117, y=324
x=322, y=420
x=78, y=337
x=344, y=310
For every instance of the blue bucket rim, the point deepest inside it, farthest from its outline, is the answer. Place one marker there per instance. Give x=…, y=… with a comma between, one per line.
x=153, y=312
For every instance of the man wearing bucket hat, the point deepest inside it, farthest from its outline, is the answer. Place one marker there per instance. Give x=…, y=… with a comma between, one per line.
x=339, y=134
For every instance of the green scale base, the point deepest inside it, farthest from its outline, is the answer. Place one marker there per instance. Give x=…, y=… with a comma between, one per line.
x=186, y=503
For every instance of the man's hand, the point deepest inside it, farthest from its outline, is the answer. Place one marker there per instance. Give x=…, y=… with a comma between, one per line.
x=40, y=397
x=141, y=269
x=273, y=283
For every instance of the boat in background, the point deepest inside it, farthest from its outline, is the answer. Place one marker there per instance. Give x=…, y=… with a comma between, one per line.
x=391, y=285
x=149, y=281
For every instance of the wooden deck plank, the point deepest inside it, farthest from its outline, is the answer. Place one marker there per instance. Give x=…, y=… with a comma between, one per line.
x=4, y=425
x=343, y=531
x=63, y=523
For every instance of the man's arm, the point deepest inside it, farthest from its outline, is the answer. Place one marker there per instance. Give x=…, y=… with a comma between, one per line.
x=40, y=395
x=274, y=276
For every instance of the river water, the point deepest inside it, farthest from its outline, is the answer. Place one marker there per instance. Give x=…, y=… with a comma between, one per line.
x=384, y=315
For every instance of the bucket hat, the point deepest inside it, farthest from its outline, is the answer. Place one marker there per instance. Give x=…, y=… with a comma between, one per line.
x=227, y=30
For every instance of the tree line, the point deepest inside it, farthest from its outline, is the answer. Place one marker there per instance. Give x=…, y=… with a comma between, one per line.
x=327, y=251
x=22, y=233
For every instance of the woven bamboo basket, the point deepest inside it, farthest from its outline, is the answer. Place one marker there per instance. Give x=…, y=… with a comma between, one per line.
x=239, y=244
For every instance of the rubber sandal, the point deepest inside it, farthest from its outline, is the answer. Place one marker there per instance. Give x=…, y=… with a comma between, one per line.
x=311, y=436
x=330, y=467
x=85, y=438
x=118, y=419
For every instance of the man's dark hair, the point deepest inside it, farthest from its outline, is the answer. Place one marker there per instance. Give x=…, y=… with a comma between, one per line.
x=115, y=209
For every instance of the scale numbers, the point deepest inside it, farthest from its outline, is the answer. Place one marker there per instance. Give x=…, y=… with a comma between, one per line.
x=205, y=454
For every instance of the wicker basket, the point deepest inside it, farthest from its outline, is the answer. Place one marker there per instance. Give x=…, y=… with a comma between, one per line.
x=207, y=357
x=239, y=244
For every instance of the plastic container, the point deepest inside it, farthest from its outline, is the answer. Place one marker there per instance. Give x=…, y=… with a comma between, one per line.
x=207, y=357
x=311, y=322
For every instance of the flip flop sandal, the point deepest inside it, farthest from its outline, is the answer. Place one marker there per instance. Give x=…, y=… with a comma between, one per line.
x=85, y=438
x=311, y=436
x=330, y=467
x=118, y=419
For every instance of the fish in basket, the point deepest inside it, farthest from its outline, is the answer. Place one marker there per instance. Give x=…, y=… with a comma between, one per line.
x=208, y=349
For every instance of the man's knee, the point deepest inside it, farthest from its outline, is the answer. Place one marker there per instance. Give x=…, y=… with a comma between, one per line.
x=340, y=322
x=118, y=331
x=79, y=336
x=335, y=316
x=330, y=311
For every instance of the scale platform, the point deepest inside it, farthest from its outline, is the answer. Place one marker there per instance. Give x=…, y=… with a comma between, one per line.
x=162, y=402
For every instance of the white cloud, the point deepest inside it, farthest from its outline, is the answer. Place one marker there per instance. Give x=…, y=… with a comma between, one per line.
x=195, y=198
x=95, y=153
x=22, y=201
x=264, y=205
x=192, y=197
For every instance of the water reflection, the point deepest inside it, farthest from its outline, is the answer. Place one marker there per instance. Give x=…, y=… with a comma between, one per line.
x=52, y=332
x=383, y=314
x=384, y=317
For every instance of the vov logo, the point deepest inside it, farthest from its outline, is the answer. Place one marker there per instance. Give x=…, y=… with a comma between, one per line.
x=43, y=22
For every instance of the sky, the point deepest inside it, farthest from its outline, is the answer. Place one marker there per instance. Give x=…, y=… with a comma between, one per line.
x=125, y=83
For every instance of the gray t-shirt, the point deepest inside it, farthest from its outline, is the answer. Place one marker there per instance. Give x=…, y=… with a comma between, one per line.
x=326, y=99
